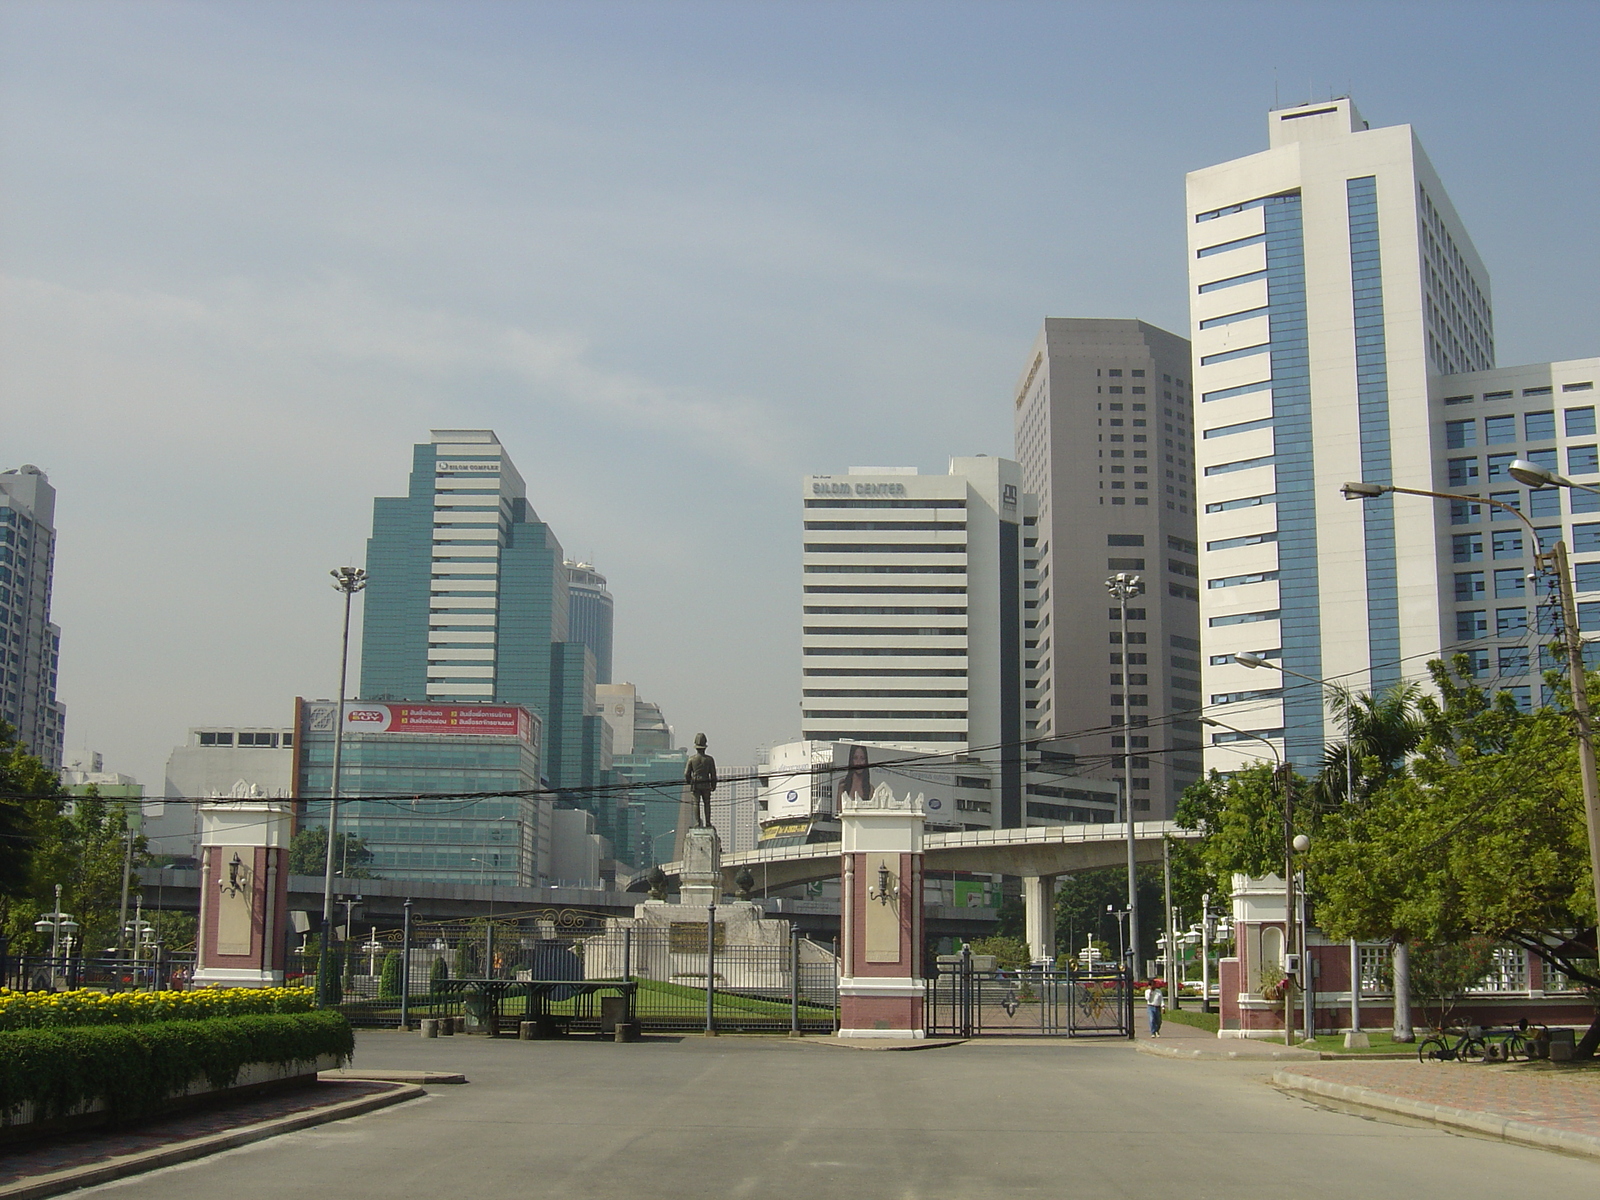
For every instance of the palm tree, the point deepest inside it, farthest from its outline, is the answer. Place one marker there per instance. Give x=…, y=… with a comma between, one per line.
x=1381, y=731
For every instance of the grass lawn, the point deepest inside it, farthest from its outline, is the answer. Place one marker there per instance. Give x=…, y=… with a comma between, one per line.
x=1189, y=1016
x=1382, y=1043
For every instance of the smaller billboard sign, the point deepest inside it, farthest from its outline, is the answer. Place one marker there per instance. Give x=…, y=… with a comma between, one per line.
x=476, y=720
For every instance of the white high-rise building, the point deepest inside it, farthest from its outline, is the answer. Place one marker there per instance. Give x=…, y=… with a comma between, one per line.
x=1331, y=282
x=1544, y=413
x=913, y=613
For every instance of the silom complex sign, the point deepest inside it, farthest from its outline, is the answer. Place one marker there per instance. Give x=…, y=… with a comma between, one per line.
x=858, y=489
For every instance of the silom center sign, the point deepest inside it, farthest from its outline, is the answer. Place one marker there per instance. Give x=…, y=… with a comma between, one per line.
x=858, y=489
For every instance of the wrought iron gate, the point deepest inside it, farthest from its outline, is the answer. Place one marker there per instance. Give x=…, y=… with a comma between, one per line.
x=968, y=998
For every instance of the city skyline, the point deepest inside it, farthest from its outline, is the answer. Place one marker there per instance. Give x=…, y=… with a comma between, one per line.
x=223, y=330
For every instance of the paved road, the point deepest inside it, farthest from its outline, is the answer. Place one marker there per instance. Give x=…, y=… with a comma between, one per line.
x=775, y=1120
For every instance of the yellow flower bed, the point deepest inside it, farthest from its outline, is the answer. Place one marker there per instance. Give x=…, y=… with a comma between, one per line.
x=38, y=1010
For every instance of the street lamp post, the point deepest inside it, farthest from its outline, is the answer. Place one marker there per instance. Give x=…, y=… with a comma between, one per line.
x=1123, y=588
x=57, y=923
x=1289, y=940
x=347, y=581
x=1556, y=560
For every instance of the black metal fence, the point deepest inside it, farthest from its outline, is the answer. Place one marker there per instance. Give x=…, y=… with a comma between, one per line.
x=37, y=973
x=769, y=986
x=968, y=998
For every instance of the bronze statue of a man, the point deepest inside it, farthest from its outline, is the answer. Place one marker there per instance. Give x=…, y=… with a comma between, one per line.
x=700, y=775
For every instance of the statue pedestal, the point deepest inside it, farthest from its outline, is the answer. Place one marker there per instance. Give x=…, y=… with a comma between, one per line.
x=244, y=893
x=881, y=988
x=700, y=883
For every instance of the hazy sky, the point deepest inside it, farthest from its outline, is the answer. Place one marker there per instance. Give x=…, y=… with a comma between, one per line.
x=677, y=255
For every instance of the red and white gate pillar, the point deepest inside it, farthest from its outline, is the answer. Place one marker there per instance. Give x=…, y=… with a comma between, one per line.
x=244, y=893
x=881, y=988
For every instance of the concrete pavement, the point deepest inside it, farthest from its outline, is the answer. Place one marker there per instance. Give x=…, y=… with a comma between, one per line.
x=774, y=1119
x=1544, y=1104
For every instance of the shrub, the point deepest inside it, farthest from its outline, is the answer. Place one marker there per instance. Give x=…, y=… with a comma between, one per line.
x=438, y=973
x=43, y=1010
x=134, y=1069
x=389, y=979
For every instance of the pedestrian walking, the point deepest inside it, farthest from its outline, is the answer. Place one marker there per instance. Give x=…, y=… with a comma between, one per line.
x=1154, y=1000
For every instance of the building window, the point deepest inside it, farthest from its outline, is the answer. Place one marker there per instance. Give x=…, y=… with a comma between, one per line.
x=1507, y=543
x=1462, y=512
x=1510, y=622
x=1502, y=429
x=1500, y=465
x=1587, y=576
x=1471, y=624
x=216, y=739
x=1508, y=582
x=1537, y=426
x=1463, y=471
x=1513, y=660
x=1458, y=435
x=1585, y=538
x=1124, y=539
x=1580, y=422
x=1466, y=547
x=1545, y=502
x=1582, y=460
x=1469, y=585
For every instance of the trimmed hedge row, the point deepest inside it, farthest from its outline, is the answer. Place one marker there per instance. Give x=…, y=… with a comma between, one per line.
x=133, y=1069
x=84, y=1006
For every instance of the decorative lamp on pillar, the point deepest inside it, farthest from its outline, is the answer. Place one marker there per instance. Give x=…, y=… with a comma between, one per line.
x=880, y=984
x=244, y=893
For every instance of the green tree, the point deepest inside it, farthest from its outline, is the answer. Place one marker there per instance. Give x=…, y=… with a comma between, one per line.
x=1381, y=732
x=308, y=854
x=437, y=974
x=1082, y=900
x=389, y=978
x=29, y=795
x=1484, y=835
x=1010, y=953
x=1440, y=974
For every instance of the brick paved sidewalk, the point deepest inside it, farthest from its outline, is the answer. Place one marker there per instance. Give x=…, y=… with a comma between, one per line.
x=1544, y=1104
x=83, y=1152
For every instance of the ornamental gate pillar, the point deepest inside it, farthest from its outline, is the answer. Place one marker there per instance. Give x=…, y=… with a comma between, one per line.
x=244, y=893
x=881, y=988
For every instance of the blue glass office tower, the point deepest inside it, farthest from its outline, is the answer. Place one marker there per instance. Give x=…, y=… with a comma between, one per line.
x=468, y=601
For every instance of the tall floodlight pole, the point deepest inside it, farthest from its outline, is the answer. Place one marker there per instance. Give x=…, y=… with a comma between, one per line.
x=348, y=581
x=1555, y=559
x=1123, y=588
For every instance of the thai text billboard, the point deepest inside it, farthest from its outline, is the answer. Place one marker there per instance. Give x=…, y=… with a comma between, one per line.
x=477, y=720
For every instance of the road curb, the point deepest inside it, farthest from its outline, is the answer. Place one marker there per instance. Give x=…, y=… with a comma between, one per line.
x=876, y=1044
x=74, y=1178
x=1288, y=1053
x=1466, y=1120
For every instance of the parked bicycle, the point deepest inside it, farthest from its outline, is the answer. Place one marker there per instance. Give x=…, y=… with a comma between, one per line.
x=1477, y=1044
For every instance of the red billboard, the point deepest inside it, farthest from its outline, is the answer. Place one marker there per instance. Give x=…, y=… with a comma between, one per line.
x=477, y=720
